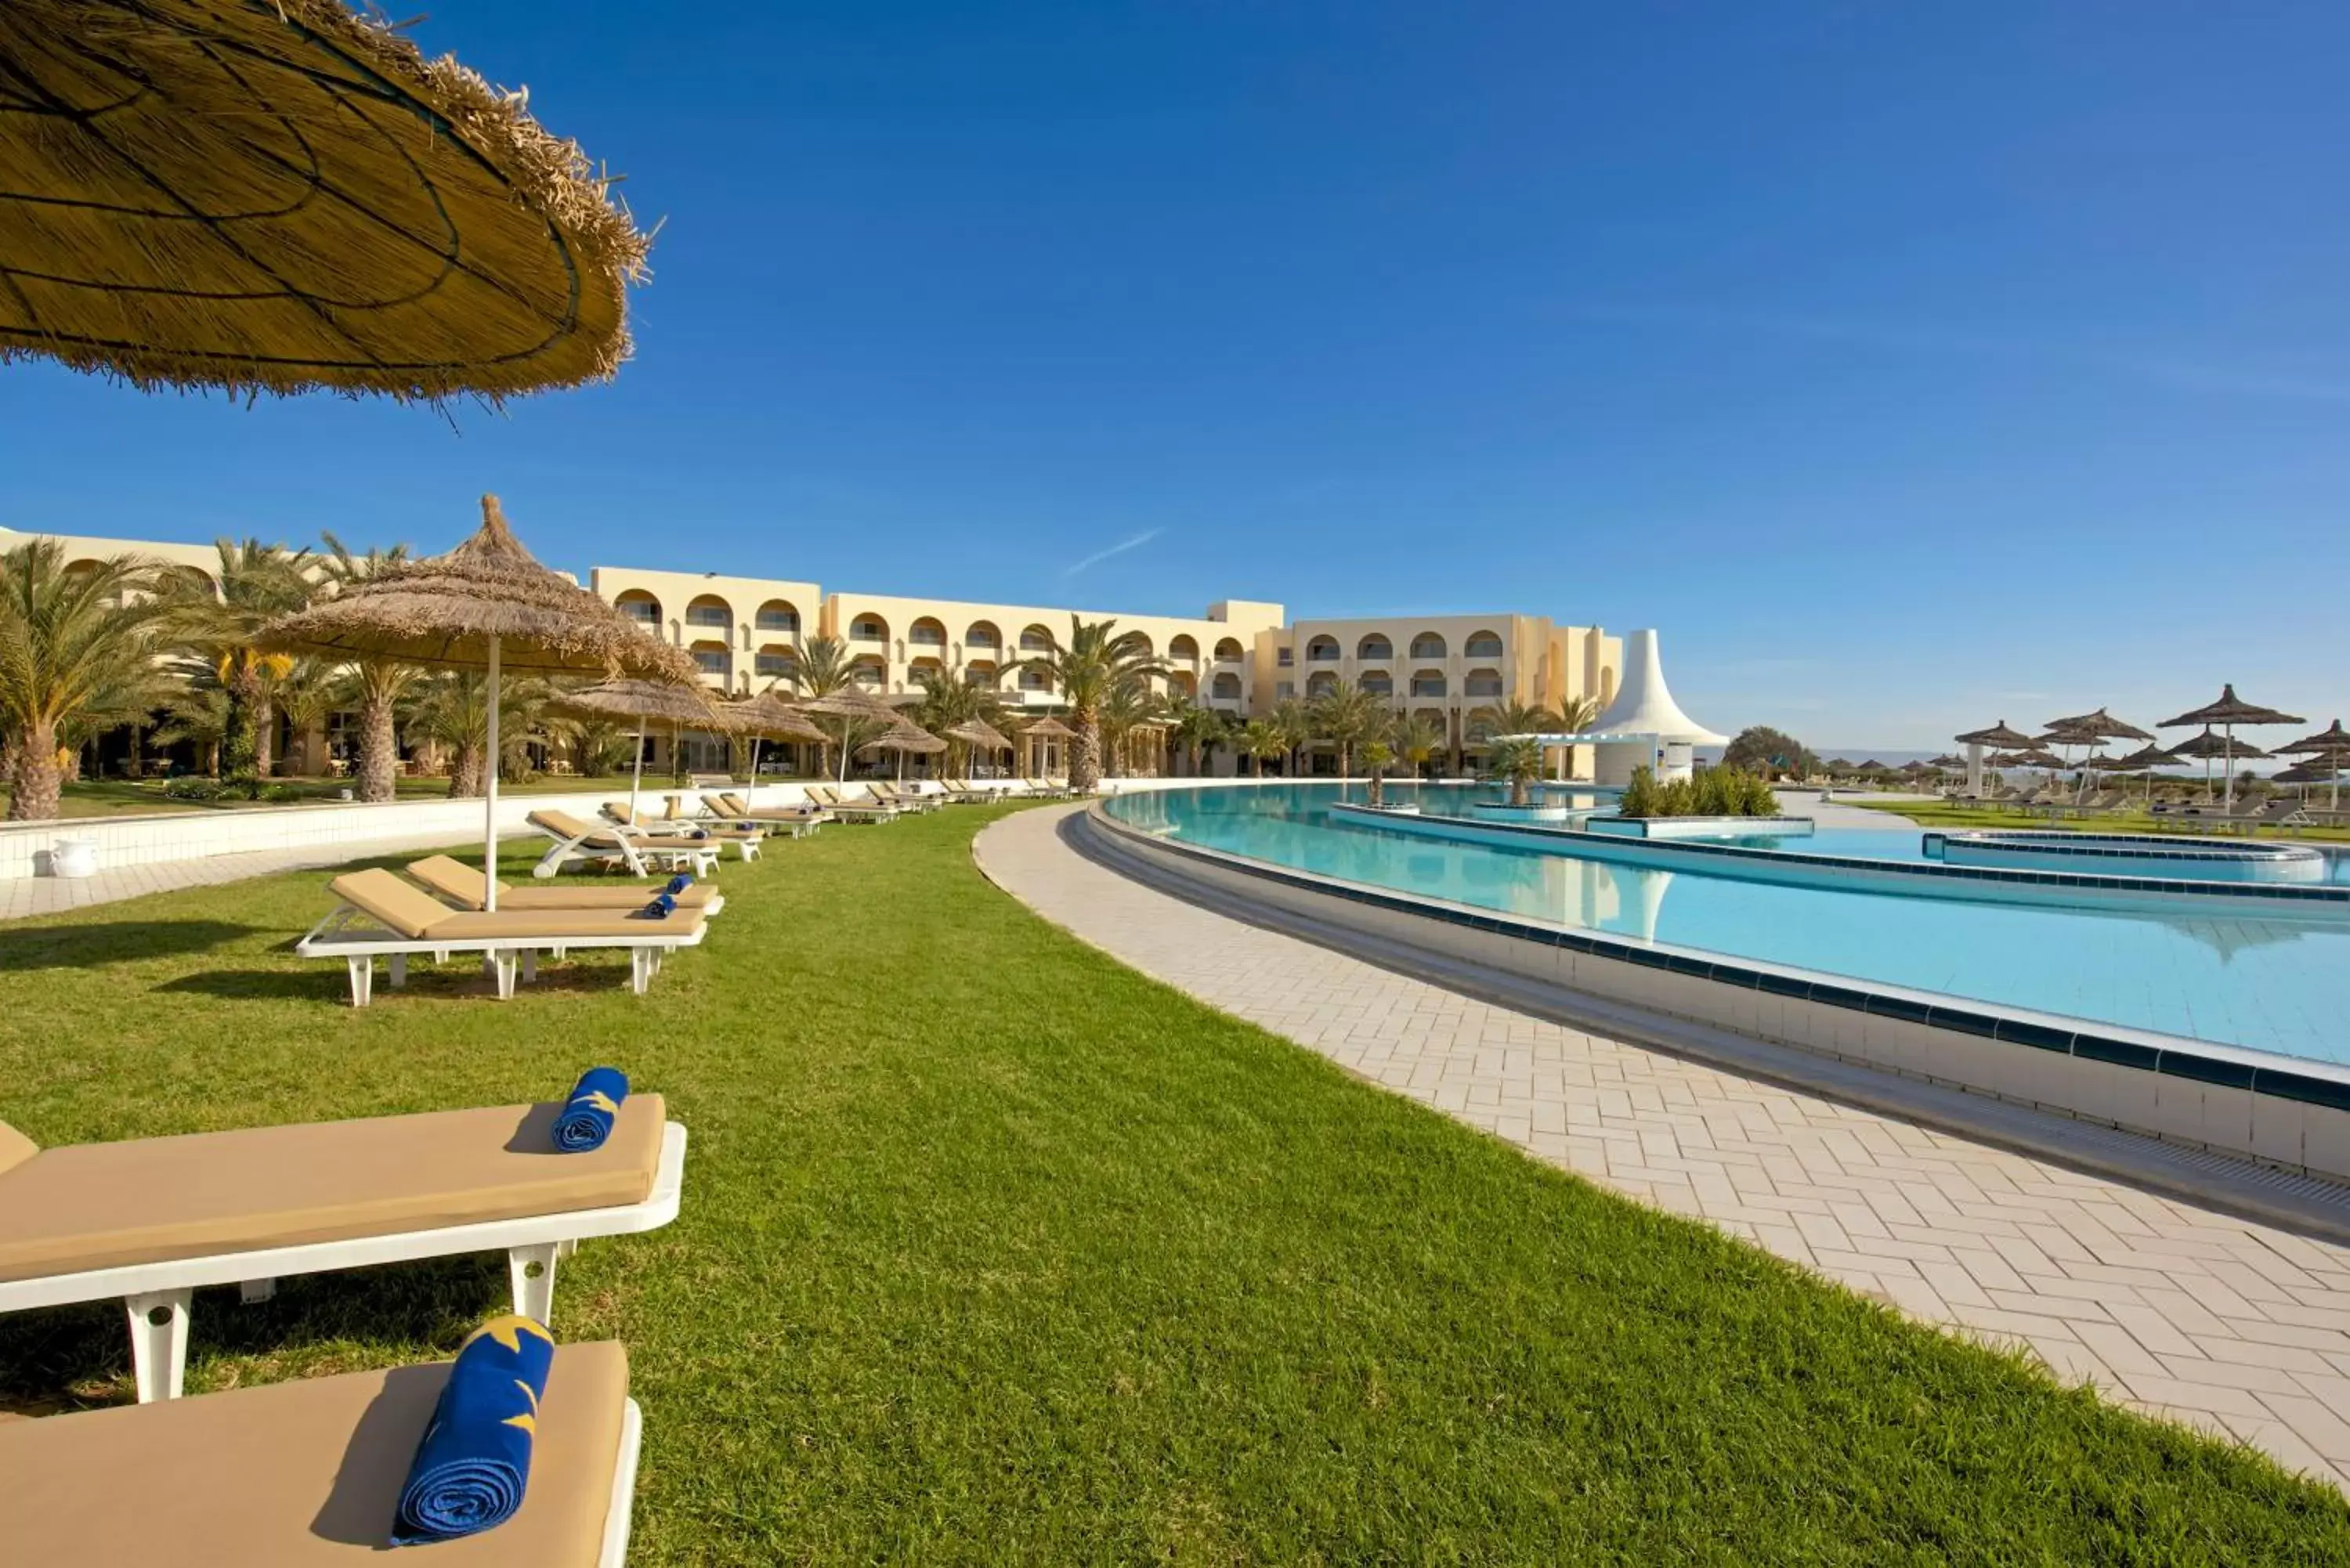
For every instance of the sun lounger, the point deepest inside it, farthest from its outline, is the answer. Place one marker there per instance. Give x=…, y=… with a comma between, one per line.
x=867, y=810
x=963, y=792
x=668, y=829
x=467, y=888
x=154, y=1220
x=799, y=822
x=906, y=799
x=2249, y=817
x=309, y=1472
x=577, y=842
x=380, y=916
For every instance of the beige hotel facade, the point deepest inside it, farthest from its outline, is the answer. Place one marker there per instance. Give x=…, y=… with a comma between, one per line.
x=1242, y=658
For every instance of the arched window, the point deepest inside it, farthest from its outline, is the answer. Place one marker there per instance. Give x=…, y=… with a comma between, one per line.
x=927, y=632
x=1482, y=645
x=869, y=628
x=1140, y=642
x=641, y=608
x=1034, y=681
x=712, y=657
x=1184, y=648
x=1322, y=650
x=1482, y=683
x=980, y=672
x=708, y=612
x=1434, y=716
x=1378, y=683
x=1183, y=680
x=869, y=672
x=777, y=662
x=924, y=667
x=983, y=635
x=1374, y=647
x=1428, y=645
x=1427, y=683
x=1036, y=640
x=1226, y=688
x=1321, y=683
x=778, y=616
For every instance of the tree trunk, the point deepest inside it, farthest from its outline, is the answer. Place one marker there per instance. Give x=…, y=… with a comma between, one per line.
x=1519, y=795
x=34, y=791
x=1256, y=766
x=241, y=745
x=466, y=781
x=378, y=749
x=1378, y=798
x=265, y=732
x=1085, y=753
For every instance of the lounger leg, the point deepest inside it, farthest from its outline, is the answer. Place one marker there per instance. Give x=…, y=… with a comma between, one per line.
x=640, y=968
x=362, y=978
x=159, y=1343
x=398, y=968
x=504, y=961
x=532, y=1271
x=530, y=966
x=251, y=1292
x=567, y=1248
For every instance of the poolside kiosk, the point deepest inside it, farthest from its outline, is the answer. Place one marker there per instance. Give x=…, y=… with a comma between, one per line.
x=1644, y=727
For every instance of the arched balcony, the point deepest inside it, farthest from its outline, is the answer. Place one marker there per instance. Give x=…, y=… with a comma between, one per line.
x=1427, y=683
x=1428, y=645
x=1378, y=683
x=1185, y=649
x=1375, y=649
x=1229, y=650
x=708, y=613
x=1322, y=650
x=868, y=628
x=1321, y=683
x=928, y=633
x=641, y=608
x=1482, y=645
x=983, y=640
x=1224, y=688
x=1481, y=683
x=777, y=617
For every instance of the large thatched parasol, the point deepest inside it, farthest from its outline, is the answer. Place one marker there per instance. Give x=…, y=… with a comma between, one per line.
x=1047, y=728
x=1997, y=737
x=486, y=605
x=906, y=739
x=683, y=706
x=978, y=732
x=2091, y=730
x=768, y=717
x=280, y=196
x=851, y=704
x=2228, y=712
x=2208, y=746
x=2330, y=747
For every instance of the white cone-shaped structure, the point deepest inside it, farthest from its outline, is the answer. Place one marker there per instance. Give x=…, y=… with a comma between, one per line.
x=1644, y=725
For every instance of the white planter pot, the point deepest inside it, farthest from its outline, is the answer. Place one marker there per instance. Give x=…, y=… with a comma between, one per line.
x=73, y=857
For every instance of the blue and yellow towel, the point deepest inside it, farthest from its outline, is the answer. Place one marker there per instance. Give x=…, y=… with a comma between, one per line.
x=474, y=1466
x=586, y=1118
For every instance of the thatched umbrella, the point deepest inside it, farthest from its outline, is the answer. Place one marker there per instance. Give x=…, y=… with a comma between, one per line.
x=2208, y=745
x=2145, y=760
x=851, y=704
x=2331, y=747
x=906, y=739
x=486, y=605
x=2228, y=712
x=1997, y=737
x=768, y=717
x=280, y=196
x=978, y=732
x=1048, y=729
x=642, y=699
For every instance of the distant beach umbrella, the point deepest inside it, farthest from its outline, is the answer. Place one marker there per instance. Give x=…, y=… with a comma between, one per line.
x=906, y=739
x=851, y=704
x=486, y=605
x=1947, y=761
x=684, y=707
x=287, y=196
x=2091, y=730
x=2330, y=748
x=2208, y=746
x=768, y=717
x=2228, y=712
x=1998, y=736
x=978, y=735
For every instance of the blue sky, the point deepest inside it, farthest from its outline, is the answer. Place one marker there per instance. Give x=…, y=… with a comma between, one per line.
x=1910, y=366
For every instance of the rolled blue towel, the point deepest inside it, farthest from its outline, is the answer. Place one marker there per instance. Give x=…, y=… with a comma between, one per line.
x=661, y=906
x=474, y=1466
x=699, y=833
x=679, y=883
x=586, y=1118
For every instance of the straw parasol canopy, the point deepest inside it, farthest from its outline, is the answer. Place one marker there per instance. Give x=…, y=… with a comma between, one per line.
x=684, y=707
x=1998, y=736
x=2208, y=746
x=978, y=735
x=282, y=196
x=2329, y=748
x=2228, y=712
x=1948, y=760
x=851, y=704
x=470, y=609
x=769, y=717
x=906, y=739
x=2103, y=725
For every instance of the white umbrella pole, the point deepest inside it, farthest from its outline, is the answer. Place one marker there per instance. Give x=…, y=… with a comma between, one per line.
x=2228, y=787
x=637, y=772
x=490, y=813
x=751, y=799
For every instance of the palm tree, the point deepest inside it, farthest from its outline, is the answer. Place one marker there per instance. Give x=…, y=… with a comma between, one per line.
x=1514, y=719
x=198, y=714
x=947, y=702
x=1260, y=740
x=217, y=624
x=1295, y=727
x=1519, y=760
x=1130, y=707
x=1346, y=716
x=1376, y=754
x=308, y=695
x=452, y=708
x=1194, y=728
x=1417, y=743
x=825, y=666
x=1096, y=662
x=71, y=643
x=1578, y=714
x=377, y=684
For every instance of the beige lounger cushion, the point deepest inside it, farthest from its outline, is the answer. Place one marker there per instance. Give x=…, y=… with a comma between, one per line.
x=619, y=809
x=297, y=1473
x=410, y=911
x=103, y=1205
x=15, y=1148
x=455, y=880
x=563, y=825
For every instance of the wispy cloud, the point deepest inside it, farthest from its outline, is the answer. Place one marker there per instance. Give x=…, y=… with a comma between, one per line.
x=1120, y=549
x=2160, y=369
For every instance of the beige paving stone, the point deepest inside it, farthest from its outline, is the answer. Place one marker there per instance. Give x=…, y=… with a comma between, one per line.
x=2234, y=1327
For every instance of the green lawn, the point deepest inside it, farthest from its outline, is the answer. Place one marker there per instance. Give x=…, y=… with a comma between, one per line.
x=1935, y=814
x=994, y=1251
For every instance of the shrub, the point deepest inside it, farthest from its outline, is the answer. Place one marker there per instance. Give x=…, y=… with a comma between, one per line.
x=1716, y=792
x=1639, y=797
x=193, y=786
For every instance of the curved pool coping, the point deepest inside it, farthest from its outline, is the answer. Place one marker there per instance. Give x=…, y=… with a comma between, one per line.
x=1804, y=868
x=2089, y=847
x=2275, y=1109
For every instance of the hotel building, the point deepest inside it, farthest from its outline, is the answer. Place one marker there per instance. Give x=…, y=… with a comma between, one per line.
x=1242, y=658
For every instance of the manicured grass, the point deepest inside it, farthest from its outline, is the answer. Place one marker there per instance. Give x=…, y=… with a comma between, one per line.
x=1935, y=814
x=994, y=1251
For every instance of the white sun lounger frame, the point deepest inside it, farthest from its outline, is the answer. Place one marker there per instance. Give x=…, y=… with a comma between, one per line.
x=156, y=1296
x=632, y=849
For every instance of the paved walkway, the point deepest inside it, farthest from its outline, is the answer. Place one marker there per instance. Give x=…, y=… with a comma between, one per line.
x=2233, y=1326
x=23, y=896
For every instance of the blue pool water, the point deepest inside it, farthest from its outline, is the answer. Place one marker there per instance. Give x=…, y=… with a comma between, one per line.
x=2277, y=984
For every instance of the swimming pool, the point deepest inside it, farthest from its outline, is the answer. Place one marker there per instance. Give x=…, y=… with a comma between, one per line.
x=2279, y=984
